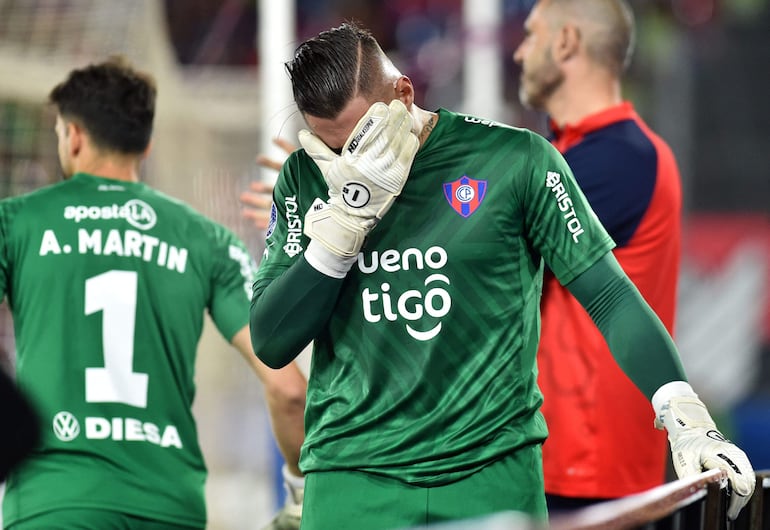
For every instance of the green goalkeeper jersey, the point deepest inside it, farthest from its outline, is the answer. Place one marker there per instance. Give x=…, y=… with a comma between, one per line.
x=426, y=368
x=108, y=283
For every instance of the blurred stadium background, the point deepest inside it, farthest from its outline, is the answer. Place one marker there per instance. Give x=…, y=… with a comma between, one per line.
x=700, y=77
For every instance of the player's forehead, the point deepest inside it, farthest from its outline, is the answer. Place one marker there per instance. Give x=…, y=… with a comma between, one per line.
x=537, y=17
x=335, y=131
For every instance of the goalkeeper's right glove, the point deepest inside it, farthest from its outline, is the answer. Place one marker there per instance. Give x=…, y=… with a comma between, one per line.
x=697, y=445
x=289, y=517
x=363, y=181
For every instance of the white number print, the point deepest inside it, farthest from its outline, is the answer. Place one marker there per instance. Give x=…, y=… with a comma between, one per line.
x=114, y=293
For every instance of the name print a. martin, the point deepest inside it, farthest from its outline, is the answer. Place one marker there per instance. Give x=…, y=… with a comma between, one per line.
x=127, y=242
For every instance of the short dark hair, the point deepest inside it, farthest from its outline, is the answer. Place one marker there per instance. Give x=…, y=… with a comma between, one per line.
x=328, y=70
x=113, y=101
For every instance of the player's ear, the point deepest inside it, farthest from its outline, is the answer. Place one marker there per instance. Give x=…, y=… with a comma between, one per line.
x=404, y=91
x=566, y=43
x=75, y=135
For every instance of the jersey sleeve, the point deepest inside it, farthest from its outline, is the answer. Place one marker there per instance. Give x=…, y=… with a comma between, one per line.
x=284, y=241
x=635, y=335
x=559, y=222
x=232, y=277
x=619, y=202
x=287, y=289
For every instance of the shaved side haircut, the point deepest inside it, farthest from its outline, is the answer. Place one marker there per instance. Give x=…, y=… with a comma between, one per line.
x=607, y=26
x=332, y=68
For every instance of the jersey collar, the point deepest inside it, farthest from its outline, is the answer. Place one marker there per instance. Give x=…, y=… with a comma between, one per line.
x=565, y=137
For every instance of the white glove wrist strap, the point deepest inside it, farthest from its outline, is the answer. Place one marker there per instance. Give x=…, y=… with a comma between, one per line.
x=326, y=262
x=673, y=389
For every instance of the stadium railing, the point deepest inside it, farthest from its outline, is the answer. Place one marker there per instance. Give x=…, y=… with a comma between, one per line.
x=693, y=503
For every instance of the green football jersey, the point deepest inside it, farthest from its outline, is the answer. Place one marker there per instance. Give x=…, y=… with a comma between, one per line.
x=108, y=283
x=426, y=369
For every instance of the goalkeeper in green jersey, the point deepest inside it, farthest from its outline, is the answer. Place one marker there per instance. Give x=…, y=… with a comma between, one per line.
x=409, y=246
x=108, y=281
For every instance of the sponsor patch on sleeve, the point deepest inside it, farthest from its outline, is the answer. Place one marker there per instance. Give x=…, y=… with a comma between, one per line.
x=273, y=218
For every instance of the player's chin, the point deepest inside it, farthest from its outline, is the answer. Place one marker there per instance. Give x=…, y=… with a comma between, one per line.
x=525, y=97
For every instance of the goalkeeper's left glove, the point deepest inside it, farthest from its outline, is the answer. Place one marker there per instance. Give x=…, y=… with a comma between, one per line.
x=697, y=445
x=363, y=181
x=289, y=517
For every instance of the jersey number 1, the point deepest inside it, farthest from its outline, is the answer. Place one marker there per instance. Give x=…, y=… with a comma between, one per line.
x=114, y=293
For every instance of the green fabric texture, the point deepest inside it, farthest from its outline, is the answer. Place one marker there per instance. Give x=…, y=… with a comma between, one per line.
x=634, y=333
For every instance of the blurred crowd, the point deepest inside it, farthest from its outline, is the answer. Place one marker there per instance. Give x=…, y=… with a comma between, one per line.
x=426, y=37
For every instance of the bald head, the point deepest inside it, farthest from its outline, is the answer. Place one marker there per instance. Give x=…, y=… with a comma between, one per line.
x=606, y=26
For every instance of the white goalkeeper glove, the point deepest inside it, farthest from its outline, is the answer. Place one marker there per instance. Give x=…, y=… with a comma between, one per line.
x=363, y=181
x=697, y=444
x=289, y=517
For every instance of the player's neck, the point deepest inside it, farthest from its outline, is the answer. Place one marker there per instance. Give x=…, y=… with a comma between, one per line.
x=116, y=168
x=425, y=122
x=574, y=102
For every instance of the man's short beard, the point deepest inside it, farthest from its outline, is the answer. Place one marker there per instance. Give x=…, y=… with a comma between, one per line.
x=546, y=81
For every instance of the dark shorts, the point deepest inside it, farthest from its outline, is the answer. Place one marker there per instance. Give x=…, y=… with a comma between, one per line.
x=559, y=504
x=354, y=500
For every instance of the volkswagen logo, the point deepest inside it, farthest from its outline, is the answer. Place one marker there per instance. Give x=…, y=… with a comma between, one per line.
x=66, y=426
